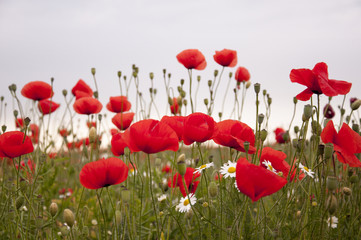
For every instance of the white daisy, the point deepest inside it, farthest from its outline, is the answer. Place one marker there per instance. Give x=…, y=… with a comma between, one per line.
x=268, y=164
x=235, y=184
x=228, y=169
x=185, y=203
x=332, y=222
x=204, y=166
x=306, y=170
x=162, y=198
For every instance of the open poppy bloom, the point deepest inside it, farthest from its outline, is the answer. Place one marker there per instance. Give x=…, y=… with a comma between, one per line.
x=256, y=181
x=226, y=58
x=103, y=173
x=123, y=120
x=46, y=106
x=91, y=124
x=13, y=144
x=151, y=136
x=113, y=131
x=276, y=160
x=174, y=108
x=233, y=134
x=87, y=105
x=176, y=123
x=242, y=75
x=166, y=169
x=119, y=104
x=19, y=123
x=279, y=132
x=27, y=165
x=192, y=59
x=118, y=144
x=34, y=133
x=63, y=132
x=37, y=90
x=189, y=179
x=346, y=143
x=81, y=89
x=198, y=127
x=317, y=81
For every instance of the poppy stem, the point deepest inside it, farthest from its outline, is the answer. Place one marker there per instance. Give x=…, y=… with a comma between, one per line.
x=103, y=233
x=110, y=199
x=81, y=196
x=151, y=193
x=190, y=88
x=225, y=95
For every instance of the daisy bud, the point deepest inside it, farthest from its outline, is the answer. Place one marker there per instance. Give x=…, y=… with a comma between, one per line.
x=248, y=84
x=93, y=71
x=356, y=104
x=331, y=183
x=205, y=204
x=19, y=202
x=69, y=217
x=260, y=118
x=257, y=88
x=354, y=179
x=347, y=191
x=246, y=146
x=328, y=151
x=125, y=195
x=161, y=213
x=307, y=111
x=53, y=209
x=213, y=189
x=332, y=204
x=92, y=135
x=263, y=134
x=151, y=76
x=118, y=217
x=295, y=100
x=65, y=92
x=209, y=83
x=356, y=127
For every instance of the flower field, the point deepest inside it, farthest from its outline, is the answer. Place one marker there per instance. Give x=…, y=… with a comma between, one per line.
x=188, y=174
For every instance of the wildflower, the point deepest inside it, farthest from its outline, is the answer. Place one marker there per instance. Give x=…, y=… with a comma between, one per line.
x=242, y=75
x=87, y=105
x=186, y=202
x=328, y=111
x=280, y=132
x=123, y=120
x=14, y=144
x=306, y=170
x=81, y=89
x=176, y=123
x=46, y=106
x=204, y=166
x=226, y=58
x=332, y=222
x=198, y=127
x=192, y=59
x=228, y=169
x=37, y=90
x=174, y=107
x=119, y=104
x=269, y=167
x=317, y=81
x=166, y=169
x=162, y=198
x=118, y=144
x=189, y=178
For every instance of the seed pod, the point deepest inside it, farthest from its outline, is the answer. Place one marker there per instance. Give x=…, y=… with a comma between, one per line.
x=331, y=183
x=92, y=135
x=307, y=111
x=69, y=217
x=93, y=71
x=328, y=151
x=347, y=191
x=257, y=88
x=260, y=118
x=263, y=135
x=356, y=104
x=354, y=179
x=246, y=146
x=118, y=217
x=213, y=189
x=53, y=209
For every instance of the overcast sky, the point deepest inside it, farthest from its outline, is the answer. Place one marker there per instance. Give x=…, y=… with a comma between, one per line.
x=64, y=39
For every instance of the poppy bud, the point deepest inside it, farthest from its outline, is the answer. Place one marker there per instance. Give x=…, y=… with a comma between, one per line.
x=260, y=118
x=263, y=134
x=230, y=74
x=295, y=100
x=209, y=83
x=16, y=113
x=182, y=81
x=53, y=209
x=170, y=101
x=27, y=121
x=151, y=75
x=348, y=117
x=92, y=135
x=183, y=94
x=354, y=179
x=328, y=151
x=206, y=101
x=125, y=78
x=99, y=117
x=296, y=129
x=3, y=128
x=246, y=146
x=356, y=127
x=93, y=71
x=328, y=111
x=169, y=75
x=349, y=172
x=356, y=104
x=151, y=90
x=248, y=84
x=220, y=114
x=215, y=73
x=307, y=111
x=119, y=74
x=316, y=127
x=331, y=183
x=213, y=189
x=65, y=92
x=2, y=98
x=342, y=111
x=19, y=202
x=181, y=164
x=96, y=94
x=298, y=213
x=69, y=217
x=264, y=92
x=126, y=151
x=286, y=136
x=118, y=217
x=198, y=78
x=347, y=191
x=185, y=101
x=321, y=149
x=295, y=142
x=179, y=100
x=269, y=101
x=125, y=195
x=331, y=204
x=164, y=71
x=257, y=88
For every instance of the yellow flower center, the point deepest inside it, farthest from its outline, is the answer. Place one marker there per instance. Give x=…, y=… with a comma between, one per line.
x=203, y=166
x=231, y=169
x=270, y=167
x=306, y=168
x=186, y=202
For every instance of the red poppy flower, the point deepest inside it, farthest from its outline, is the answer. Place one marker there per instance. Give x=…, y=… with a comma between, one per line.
x=166, y=169
x=91, y=124
x=277, y=159
x=87, y=105
x=255, y=181
x=34, y=133
x=176, y=123
x=198, y=127
x=81, y=89
x=46, y=106
x=52, y=155
x=19, y=123
x=27, y=165
x=346, y=143
x=114, y=131
x=317, y=81
x=189, y=179
x=328, y=111
x=63, y=132
x=226, y=58
x=279, y=132
x=151, y=136
x=103, y=173
x=37, y=90
x=119, y=104
x=123, y=120
x=13, y=144
x=174, y=108
x=233, y=133
x=192, y=59
x=118, y=144
x=242, y=74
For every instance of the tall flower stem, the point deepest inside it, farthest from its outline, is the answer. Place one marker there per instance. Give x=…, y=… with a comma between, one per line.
x=102, y=212
x=190, y=88
x=151, y=193
x=225, y=95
